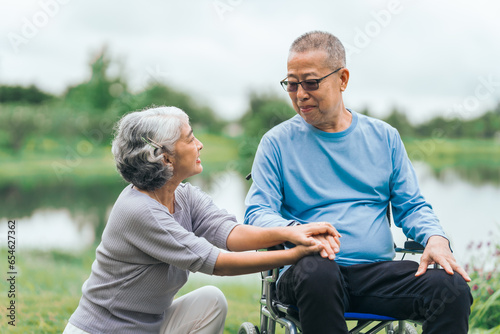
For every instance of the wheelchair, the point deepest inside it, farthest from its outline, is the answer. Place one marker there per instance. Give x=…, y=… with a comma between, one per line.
x=273, y=312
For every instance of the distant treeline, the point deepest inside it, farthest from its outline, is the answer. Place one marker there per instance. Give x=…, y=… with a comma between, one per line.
x=89, y=110
x=484, y=127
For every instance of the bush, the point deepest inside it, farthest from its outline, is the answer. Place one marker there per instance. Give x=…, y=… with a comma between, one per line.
x=485, y=285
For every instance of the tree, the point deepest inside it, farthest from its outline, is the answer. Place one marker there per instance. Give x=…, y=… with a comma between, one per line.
x=16, y=124
x=99, y=92
x=399, y=120
x=265, y=112
x=25, y=95
x=201, y=117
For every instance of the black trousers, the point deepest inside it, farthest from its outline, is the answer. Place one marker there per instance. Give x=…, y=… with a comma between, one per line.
x=324, y=290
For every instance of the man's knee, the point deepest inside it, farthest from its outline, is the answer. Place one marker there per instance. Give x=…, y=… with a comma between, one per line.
x=451, y=292
x=315, y=271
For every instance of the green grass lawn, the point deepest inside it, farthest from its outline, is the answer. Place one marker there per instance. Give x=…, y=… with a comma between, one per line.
x=442, y=153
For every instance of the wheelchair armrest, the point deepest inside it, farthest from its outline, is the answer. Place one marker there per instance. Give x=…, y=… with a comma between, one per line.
x=272, y=275
x=411, y=246
x=276, y=247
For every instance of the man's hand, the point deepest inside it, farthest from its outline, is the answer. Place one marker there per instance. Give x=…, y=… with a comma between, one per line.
x=438, y=251
x=317, y=233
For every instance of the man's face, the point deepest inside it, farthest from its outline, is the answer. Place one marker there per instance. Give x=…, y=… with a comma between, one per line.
x=320, y=108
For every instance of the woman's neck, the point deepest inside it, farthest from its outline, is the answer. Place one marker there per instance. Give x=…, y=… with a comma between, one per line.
x=164, y=195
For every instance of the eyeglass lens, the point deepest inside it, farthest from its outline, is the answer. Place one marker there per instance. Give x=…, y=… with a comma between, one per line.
x=307, y=85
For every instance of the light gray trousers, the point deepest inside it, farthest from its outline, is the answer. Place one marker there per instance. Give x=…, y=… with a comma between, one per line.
x=202, y=311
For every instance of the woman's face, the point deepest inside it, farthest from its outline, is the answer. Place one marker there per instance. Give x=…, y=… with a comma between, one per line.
x=186, y=161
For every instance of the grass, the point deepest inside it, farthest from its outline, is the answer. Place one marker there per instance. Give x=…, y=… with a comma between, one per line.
x=48, y=286
x=442, y=153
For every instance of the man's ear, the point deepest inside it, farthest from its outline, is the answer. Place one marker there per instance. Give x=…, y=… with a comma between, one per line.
x=344, y=79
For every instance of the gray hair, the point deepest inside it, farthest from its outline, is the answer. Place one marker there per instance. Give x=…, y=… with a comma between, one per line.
x=324, y=41
x=140, y=140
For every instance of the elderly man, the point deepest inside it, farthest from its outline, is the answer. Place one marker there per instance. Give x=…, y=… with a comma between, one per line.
x=329, y=163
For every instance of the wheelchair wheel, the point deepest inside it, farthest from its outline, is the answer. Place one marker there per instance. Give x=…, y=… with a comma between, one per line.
x=248, y=328
x=409, y=329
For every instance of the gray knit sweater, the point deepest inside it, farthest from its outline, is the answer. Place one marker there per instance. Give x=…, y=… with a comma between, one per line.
x=145, y=257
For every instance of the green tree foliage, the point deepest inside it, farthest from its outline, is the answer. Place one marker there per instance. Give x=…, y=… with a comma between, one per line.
x=399, y=120
x=99, y=92
x=28, y=95
x=88, y=111
x=16, y=123
x=201, y=117
x=486, y=126
x=265, y=112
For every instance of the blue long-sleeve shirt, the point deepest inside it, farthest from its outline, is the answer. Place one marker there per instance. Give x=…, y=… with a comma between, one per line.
x=346, y=178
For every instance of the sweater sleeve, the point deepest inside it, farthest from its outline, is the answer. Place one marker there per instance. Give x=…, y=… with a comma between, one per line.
x=149, y=227
x=208, y=220
x=411, y=211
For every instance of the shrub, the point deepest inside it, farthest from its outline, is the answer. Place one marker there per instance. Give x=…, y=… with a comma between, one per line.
x=485, y=285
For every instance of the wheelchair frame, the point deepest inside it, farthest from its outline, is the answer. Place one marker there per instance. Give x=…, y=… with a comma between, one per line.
x=273, y=312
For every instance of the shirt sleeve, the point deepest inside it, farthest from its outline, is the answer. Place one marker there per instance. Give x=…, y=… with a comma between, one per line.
x=410, y=210
x=264, y=199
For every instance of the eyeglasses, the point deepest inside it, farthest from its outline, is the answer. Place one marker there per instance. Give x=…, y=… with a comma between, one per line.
x=307, y=85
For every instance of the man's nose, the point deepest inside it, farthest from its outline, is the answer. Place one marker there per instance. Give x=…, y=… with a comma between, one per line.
x=302, y=94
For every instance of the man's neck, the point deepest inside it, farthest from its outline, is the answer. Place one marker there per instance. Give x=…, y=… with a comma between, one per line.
x=338, y=124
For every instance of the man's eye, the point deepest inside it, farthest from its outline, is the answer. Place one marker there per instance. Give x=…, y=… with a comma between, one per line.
x=310, y=84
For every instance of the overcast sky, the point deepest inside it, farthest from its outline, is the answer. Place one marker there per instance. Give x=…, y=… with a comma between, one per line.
x=425, y=57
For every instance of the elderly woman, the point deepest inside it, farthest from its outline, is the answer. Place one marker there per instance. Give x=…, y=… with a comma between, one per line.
x=160, y=229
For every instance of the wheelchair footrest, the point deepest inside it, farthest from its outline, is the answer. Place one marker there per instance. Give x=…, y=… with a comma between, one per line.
x=367, y=316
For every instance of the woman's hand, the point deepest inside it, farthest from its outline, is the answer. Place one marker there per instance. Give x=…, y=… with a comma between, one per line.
x=239, y=263
x=316, y=233
x=303, y=250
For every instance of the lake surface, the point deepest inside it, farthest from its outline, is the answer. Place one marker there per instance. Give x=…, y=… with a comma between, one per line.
x=70, y=220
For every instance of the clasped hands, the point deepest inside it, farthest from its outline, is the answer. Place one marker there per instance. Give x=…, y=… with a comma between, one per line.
x=321, y=234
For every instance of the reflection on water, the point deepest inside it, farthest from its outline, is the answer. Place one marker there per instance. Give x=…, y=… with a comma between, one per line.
x=476, y=175
x=71, y=218
x=54, y=229
x=50, y=216
x=467, y=211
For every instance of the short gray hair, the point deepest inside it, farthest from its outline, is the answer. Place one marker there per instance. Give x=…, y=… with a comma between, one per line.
x=140, y=140
x=324, y=41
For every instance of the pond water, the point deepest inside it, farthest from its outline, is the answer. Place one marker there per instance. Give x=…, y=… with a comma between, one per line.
x=69, y=219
